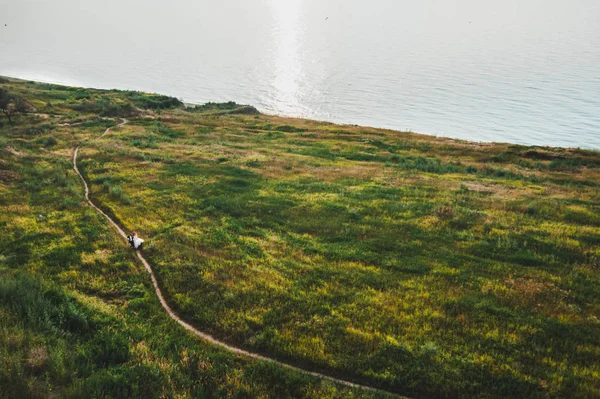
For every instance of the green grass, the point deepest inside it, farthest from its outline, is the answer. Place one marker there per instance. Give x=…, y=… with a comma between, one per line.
x=423, y=266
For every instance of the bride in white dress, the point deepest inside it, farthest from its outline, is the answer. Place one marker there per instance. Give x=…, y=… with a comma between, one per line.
x=134, y=240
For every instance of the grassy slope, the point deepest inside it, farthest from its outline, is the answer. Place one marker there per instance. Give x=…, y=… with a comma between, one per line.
x=421, y=265
x=78, y=314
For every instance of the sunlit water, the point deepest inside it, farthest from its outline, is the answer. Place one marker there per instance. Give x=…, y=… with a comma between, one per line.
x=522, y=71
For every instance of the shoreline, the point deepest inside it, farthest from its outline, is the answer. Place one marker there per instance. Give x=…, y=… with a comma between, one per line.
x=189, y=104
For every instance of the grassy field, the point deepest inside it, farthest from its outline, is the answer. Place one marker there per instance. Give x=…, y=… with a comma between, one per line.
x=423, y=266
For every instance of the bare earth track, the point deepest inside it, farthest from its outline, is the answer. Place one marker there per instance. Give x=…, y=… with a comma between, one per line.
x=187, y=326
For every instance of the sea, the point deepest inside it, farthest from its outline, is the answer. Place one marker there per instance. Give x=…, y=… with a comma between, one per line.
x=517, y=71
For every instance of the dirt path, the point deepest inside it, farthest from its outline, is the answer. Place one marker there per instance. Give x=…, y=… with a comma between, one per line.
x=185, y=325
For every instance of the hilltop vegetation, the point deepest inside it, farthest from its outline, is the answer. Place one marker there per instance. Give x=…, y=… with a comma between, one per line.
x=423, y=266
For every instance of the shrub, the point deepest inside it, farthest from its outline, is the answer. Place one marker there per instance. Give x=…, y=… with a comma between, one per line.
x=105, y=107
x=146, y=142
x=82, y=94
x=169, y=132
x=210, y=106
x=429, y=165
x=445, y=212
x=154, y=101
x=571, y=164
x=253, y=163
x=226, y=108
x=116, y=191
x=50, y=142
x=289, y=129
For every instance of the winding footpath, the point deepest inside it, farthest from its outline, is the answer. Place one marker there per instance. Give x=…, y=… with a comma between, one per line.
x=187, y=326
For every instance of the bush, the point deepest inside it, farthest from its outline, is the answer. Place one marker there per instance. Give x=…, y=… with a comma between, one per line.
x=429, y=165
x=117, y=192
x=571, y=164
x=146, y=142
x=289, y=129
x=154, y=101
x=104, y=107
x=50, y=142
x=82, y=94
x=228, y=108
x=167, y=131
x=210, y=106
x=110, y=350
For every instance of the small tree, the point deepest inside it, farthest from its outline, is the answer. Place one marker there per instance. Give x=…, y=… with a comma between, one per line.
x=10, y=104
x=5, y=103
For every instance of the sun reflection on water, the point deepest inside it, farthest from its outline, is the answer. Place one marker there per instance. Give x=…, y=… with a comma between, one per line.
x=288, y=31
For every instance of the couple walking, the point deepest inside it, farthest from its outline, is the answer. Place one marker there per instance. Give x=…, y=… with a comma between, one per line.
x=134, y=240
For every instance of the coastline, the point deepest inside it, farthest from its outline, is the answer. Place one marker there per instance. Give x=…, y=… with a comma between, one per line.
x=336, y=121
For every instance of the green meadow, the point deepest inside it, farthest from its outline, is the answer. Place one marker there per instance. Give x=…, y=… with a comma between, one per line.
x=422, y=266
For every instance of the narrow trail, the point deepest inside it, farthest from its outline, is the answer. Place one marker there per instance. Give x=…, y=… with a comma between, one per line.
x=187, y=326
